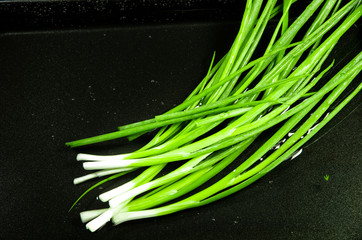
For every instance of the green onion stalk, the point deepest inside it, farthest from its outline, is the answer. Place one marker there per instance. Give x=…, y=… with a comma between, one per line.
x=286, y=91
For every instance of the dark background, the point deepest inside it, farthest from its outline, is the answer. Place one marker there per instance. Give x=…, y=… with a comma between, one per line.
x=75, y=69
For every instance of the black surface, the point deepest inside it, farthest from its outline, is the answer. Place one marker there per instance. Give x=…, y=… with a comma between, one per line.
x=43, y=14
x=63, y=85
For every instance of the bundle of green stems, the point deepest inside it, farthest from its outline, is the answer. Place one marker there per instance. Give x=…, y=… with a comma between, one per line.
x=285, y=91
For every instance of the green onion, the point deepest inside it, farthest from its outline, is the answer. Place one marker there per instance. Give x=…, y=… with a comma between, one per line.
x=285, y=91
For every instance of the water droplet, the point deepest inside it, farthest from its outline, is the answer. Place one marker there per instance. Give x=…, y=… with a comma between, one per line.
x=285, y=110
x=326, y=115
x=296, y=154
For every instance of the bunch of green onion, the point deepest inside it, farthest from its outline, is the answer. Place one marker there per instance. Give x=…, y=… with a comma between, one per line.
x=239, y=98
